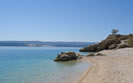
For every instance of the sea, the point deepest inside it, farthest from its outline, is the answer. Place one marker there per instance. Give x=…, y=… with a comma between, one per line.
x=37, y=65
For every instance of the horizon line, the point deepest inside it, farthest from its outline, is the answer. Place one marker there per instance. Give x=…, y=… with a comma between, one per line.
x=48, y=41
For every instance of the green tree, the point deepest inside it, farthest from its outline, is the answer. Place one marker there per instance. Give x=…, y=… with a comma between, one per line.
x=114, y=31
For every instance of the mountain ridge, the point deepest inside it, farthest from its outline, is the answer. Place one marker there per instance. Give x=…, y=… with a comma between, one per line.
x=45, y=43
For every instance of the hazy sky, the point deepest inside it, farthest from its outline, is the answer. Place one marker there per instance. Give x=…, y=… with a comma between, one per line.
x=64, y=20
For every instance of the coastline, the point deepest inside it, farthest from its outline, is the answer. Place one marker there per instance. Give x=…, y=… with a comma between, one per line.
x=115, y=67
x=84, y=74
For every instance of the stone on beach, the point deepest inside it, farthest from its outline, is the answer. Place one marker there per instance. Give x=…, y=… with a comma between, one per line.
x=67, y=56
x=96, y=54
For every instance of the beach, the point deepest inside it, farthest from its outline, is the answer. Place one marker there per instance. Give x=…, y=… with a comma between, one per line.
x=115, y=67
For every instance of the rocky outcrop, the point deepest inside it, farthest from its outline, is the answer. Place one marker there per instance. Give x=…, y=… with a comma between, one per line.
x=67, y=56
x=91, y=48
x=111, y=42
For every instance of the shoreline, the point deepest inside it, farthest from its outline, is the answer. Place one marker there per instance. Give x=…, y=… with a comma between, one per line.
x=84, y=74
x=115, y=67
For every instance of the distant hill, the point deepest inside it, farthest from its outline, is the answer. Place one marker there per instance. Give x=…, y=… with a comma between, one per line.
x=44, y=44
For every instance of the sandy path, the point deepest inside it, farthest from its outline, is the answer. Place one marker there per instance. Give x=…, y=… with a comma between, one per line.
x=116, y=67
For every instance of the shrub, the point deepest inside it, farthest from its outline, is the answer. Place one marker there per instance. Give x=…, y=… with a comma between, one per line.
x=114, y=31
x=130, y=41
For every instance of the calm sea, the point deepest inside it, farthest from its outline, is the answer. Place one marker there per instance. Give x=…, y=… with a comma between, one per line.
x=36, y=65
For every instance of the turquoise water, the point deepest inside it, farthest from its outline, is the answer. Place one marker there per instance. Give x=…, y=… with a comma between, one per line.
x=36, y=65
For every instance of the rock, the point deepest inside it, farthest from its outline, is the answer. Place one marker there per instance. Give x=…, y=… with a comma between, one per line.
x=99, y=54
x=67, y=56
x=124, y=37
x=113, y=46
x=90, y=55
x=106, y=43
x=121, y=46
x=80, y=57
x=96, y=54
x=91, y=48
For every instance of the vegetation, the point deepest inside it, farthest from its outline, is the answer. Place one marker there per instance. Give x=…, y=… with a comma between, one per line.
x=130, y=41
x=114, y=31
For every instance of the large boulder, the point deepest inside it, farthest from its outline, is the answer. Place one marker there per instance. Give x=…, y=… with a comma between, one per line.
x=67, y=56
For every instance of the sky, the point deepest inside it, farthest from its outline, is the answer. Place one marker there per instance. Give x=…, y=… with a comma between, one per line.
x=64, y=20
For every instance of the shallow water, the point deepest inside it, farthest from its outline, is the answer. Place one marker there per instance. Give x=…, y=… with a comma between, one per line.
x=36, y=65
